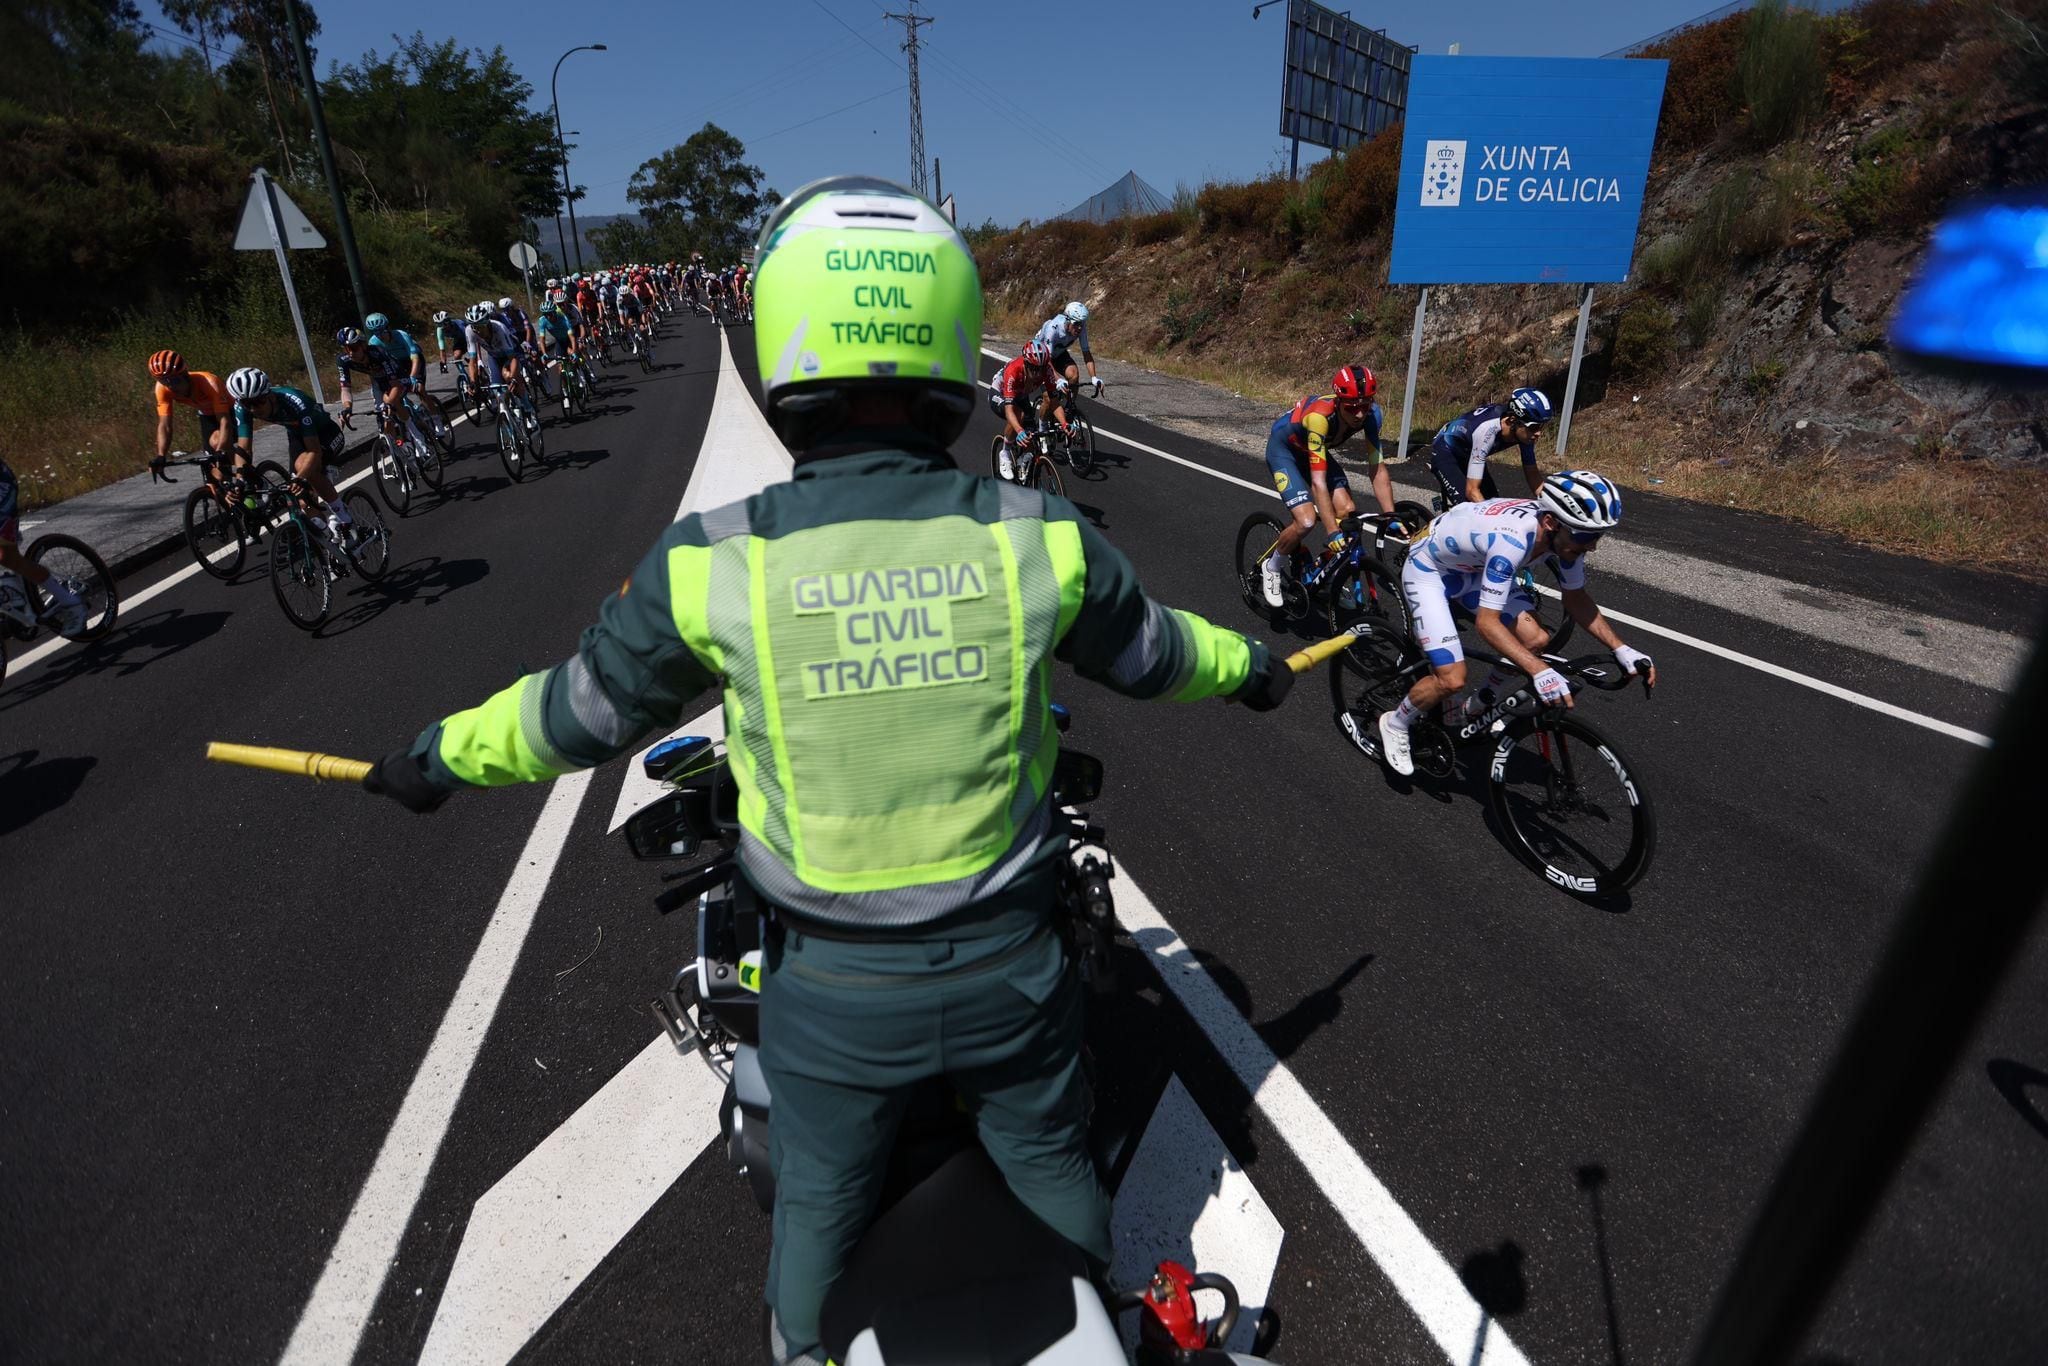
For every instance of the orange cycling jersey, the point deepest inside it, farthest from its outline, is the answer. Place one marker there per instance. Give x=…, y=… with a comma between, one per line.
x=1317, y=423
x=206, y=393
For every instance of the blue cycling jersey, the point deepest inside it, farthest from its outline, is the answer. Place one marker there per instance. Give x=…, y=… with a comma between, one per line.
x=1473, y=436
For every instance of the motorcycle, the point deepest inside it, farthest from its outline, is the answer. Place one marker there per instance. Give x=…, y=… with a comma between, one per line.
x=954, y=1268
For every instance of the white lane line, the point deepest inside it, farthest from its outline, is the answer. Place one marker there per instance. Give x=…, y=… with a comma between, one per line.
x=170, y=581
x=1419, y=1273
x=539, y=1233
x=1185, y=1197
x=331, y=1326
x=1834, y=690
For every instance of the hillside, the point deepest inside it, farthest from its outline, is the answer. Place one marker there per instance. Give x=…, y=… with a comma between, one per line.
x=1799, y=166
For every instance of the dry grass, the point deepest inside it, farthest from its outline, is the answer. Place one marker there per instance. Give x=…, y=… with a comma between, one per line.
x=1969, y=513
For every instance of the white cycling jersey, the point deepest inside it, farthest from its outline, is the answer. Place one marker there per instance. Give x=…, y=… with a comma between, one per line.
x=1471, y=555
x=1061, y=332
x=490, y=338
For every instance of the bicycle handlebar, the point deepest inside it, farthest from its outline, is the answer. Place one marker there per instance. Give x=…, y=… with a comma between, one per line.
x=304, y=762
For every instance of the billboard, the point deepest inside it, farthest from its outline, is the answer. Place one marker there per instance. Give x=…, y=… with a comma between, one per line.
x=1341, y=82
x=1519, y=170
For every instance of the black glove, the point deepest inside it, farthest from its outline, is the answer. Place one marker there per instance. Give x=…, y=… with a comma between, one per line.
x=1267, y=685
x=399, y=776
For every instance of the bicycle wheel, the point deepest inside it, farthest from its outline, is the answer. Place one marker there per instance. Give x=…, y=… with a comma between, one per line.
x=394, y=480
x=1081, y=450
x=426, y=462
x=646, y=359
x=369, y=548
x=533, y=434
x=1574, y=809
x=298, y=575
x=511, y=448
x=1550, y=611
x=213, y=534
x=1361, y=589
x=995, y=457
x=1256, y=536
x=1045, y=476
x=440, y=435
x=78, y=567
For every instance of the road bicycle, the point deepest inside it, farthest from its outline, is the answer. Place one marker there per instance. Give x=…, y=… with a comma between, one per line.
x=424, y=420
x=1573, y=808
x=307, y=555
x=638, y=347
x=26, y=609
x=1553, y=619
x=520, y=443
x=1080, y=450
x=1348, y=576
x=226, y=512
x=1032, y=460
x=469, y=397
x=572, y=381
x=403, y=465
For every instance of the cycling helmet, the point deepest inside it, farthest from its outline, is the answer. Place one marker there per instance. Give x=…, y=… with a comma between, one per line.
x=348, y=336
x=1581, y=499
x=1530, y=407
x=376, y=322
x=440, y=317
x=1035, y=353
x=547, y=307
x=554, y=283
x=1354, y=384
x=1077, y=312
x=478, y=312
x=247, y=383
x=505, y=302
x=814, y=346
x=166, y=363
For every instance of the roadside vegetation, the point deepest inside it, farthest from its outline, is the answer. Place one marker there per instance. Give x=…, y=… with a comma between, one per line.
x=1800, y=164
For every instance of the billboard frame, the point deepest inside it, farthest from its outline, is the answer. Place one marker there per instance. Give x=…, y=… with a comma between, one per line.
x=1341, y=83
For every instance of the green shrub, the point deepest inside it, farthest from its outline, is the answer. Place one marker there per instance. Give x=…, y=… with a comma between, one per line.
x=1362, y=186
x=1642, y=340
x=1763, y=377
x=1253, y=206
x=1153, y=228
x=1702, y=307
x=1780, y=74
x=1301, y=213
x=1186, y=209
x=1184, y=316
x=1698, y=89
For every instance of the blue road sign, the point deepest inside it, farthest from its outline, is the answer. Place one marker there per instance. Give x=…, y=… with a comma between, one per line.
x=1519, y=170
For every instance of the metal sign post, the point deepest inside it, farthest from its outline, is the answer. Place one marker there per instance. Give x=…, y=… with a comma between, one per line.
x=1414, y=364
x=277, y=214
x=1571, y=384
x=524, y=257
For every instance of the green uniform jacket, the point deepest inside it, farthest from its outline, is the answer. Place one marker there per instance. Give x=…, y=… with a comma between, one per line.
x=883, y=627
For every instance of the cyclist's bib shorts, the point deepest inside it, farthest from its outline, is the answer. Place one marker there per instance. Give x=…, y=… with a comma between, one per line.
x=493, y=363
x=1284, y=463
x=1448, y=465
x=1430, y=593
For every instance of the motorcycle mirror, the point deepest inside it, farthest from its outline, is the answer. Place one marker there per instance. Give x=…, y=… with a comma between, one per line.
x=666, y=829
x=1076, y=778
x=671, y=757
x=1062, y=718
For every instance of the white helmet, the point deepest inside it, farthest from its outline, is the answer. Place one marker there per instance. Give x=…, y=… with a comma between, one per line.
x=505, y=302
x=441, y=316
x=478, y=312
x=554, y=283
x=1581, y=499
x=1077, y=312
x=247, y=383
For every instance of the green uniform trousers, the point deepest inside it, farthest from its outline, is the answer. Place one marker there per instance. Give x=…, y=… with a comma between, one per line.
x=848, y=1029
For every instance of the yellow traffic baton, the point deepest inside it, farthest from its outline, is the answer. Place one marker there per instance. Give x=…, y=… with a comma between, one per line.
x=303, y=762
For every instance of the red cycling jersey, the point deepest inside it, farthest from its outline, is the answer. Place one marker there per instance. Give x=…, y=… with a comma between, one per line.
x=1018, y=381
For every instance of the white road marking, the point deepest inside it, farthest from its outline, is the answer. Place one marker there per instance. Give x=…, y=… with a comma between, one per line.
x=331, y=1326
x=1934, y=724
x=1185, y=1197
x=542, y=1229
x=1401, y=1250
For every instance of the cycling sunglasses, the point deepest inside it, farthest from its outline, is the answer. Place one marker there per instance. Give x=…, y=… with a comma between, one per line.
x=1588, y=539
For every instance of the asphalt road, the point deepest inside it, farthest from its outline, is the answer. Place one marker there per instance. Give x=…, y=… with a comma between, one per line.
x=222, y=983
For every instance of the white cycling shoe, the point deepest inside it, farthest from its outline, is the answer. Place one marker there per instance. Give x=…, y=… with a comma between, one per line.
x=1274, y=582
x=1006, y=465
x=1394, y=745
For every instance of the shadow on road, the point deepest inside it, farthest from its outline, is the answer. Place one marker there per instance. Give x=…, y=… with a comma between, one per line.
x=1591, y=1179
x=1494, y=1278
x=424, y=581
x=2013, y=1080
x=30, y=789
x=132, y=646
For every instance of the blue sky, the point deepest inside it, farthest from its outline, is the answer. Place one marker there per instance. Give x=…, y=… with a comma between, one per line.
x=1178, y=92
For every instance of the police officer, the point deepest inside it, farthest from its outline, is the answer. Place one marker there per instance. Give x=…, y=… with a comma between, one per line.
x=883, y=627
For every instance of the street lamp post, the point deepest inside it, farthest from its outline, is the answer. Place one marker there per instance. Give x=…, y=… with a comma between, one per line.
x=561, y=241
x=561, y=146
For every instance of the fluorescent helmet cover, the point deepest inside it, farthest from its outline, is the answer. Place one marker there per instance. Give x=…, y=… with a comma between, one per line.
x=859, y=279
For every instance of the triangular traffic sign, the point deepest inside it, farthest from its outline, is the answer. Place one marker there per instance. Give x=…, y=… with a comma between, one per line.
x=253, y=233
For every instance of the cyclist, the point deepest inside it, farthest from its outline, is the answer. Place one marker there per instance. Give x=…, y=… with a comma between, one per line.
x=585, y=299
x=199, y=390
x=902, y=828
x=742, y=285
x=447, y=336
x=1472, y=555
x=1307, y=432
x=1060, y=332
x=1458, y=452
x=398, y=343
x=1011, y=394
x=516, y=322
x=387, y=380
x=632, y=314
x=492, y=351
x=557, y=340
x=312, y=440
x=714, y=291
x=69, y=608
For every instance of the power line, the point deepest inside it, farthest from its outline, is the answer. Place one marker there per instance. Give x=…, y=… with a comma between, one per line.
x=1016, y=118
x=841, y=110
x=912, y=22
x=856, y=33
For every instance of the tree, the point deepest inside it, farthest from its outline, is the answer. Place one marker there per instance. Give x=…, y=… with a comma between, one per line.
x=265, y=45
x=702, y=196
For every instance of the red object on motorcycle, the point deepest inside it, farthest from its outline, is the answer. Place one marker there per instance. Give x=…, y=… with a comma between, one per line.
x=1170, y=1318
